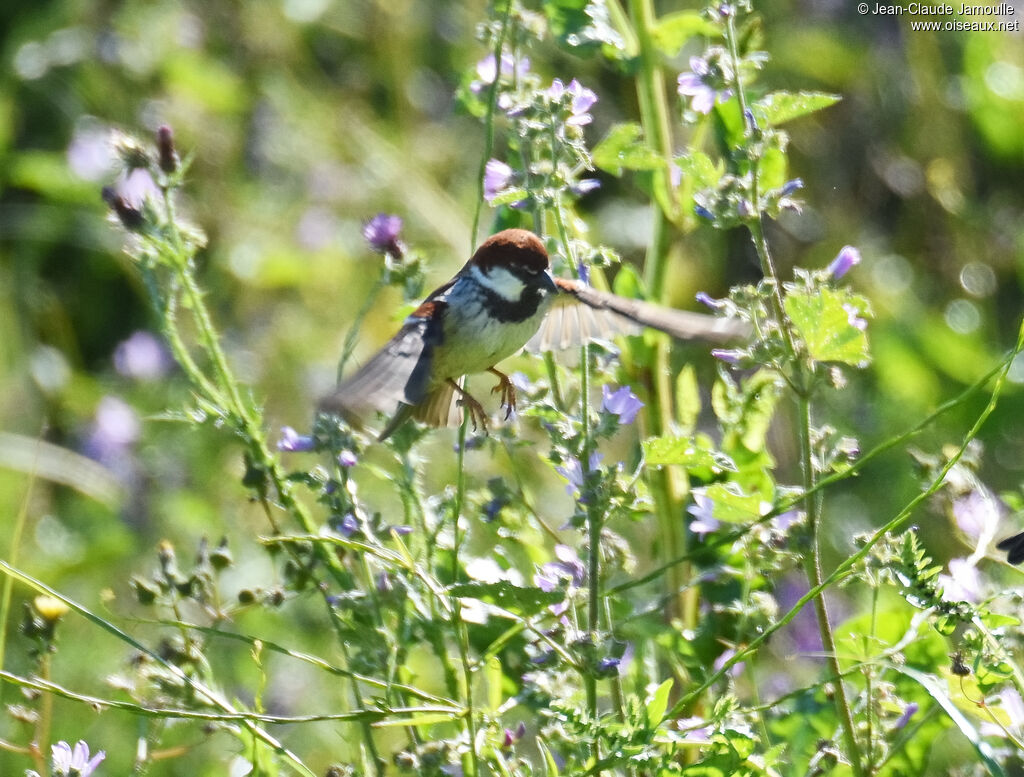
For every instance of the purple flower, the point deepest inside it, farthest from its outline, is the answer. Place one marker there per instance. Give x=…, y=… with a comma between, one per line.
x=703, y=512
x=977, y=514
x=583, y=100
x=487, y=70
x=136, y=186
x=293, y=442
x=706, y=299
x=790, y=187
x=348, y=525
x=695, y=729
x=1012, y=705
x=586, y=186
x=608, y=665
x=698, y=87
x=115, y=428
x=727, y=356
x=847, y=258
x=347, y=459
x=142, y=356
x=908, y=712
x=567, y=567
x=853, y=319
x=381, y=232
x=68, y=762
x=90, y=155
x=622, y=403
x=572, y=471
x=496, y=177
x=735, y=670
x=703, y=212
x=963, y=583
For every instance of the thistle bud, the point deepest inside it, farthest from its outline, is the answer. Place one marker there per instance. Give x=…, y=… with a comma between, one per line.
x=167, y=155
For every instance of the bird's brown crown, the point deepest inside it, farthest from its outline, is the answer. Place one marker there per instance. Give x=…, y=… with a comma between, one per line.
x=512, y=247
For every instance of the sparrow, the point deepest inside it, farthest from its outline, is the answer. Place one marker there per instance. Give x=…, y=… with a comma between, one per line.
x=503, y=299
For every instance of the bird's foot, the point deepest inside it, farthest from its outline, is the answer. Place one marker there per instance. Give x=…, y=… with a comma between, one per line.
x=508, y=392
x=477, y=414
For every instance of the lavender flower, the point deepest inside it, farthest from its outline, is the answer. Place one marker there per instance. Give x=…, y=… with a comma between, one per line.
x=727, y=356
x=142, y=356
x=706, y=299
x=567, y=567
x=847, y=258
x=347, y=459
x=908, y=712
x=963, y=583
x=487, y=69
x=496, y=177
x=583, y=100
x=608, y=665
x=586, y=186
x=702, y=510
x=382, y=231
x=853, y=318
x=115, y=429
x=790, y=187
x=622, y=403
x=348, y=525
x=76, y=762
x=698, y=86
x=703, y=212
x=572, y=471
x=293, y=442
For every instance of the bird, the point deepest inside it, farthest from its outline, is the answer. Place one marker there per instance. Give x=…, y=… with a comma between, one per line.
x=502, y=300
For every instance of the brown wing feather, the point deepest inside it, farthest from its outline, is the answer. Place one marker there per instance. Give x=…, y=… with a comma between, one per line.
x=582, y=313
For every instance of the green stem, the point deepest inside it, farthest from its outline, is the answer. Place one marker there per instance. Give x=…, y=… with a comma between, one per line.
x=799, y=381
x=667, y=485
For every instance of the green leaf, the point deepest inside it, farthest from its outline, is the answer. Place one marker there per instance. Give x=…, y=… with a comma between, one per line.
x=731, y=505
x=508, y=197
x=779, y=107
x=673, y=30
x=772, y=169
x=627, y=282
x=584, y=24
x=623, y=148
x=684, y=451
x=527, y=601
x=658, y=704
x=823, y=321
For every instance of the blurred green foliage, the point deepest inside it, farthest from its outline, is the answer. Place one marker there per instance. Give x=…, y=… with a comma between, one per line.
x=308, y=116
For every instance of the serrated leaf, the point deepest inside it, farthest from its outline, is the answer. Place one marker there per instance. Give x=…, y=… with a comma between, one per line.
x=779, y=107
x=658, y=704
x=508, y=197
x=699, y=171
x=623, y=148
x=731, y=505
x=526, y=600
x=673, y=30
x=824, y=321
x=684, y=451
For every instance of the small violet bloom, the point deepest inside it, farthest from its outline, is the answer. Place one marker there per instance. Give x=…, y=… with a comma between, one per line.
x=348, y=525
x=694, y=85
x=706, y=299
x=496, y=177
x=908, y=712
x=847, y=258
x=487, y=69
x=853, y=319
x=293, y=442
x=567, y=567
x=581, y=100
x=963, y=583
x=702, y=510
x=382, y=231
x=347, y=459
x=586, y=186
x=68, y=762
x=622, y=403
x=727, y=356
x=790, y=188
x=572, y=471
x=607, y=664
x=703, y=212
x=142, y=356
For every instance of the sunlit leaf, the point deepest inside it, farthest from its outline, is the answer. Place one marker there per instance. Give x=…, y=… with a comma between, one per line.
x=673, y=30
x=623, y=148
x=779, y=107
x=512, y=597
x=826, y=322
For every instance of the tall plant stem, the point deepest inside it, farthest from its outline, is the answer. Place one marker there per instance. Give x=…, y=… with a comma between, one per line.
x=667, y=485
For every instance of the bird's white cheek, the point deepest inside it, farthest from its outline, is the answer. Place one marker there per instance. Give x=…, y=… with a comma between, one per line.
x=501, y=282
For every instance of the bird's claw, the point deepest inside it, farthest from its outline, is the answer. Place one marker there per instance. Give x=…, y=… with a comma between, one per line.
x=507, y=391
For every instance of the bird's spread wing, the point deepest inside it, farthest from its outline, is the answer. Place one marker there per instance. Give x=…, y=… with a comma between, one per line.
x=398, y=373
x=581, y=314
